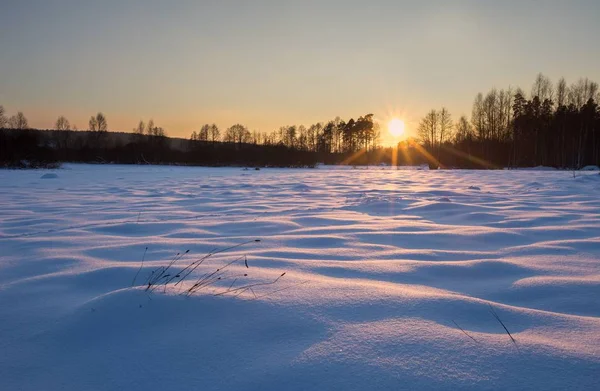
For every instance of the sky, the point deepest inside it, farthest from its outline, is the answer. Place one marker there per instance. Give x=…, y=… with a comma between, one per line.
x=265, y=64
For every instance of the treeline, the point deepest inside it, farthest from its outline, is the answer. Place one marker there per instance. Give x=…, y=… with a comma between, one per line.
x=33, y=148
x=290, y=146
x=23, y=147
x=555, y=125
x=335, y=136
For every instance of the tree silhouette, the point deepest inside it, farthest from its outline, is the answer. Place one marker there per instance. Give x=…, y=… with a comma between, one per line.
x=150, y=128
x=428, y=129
x=18, y=121
x=542, y=88
x=215, y=133
x=62, y=124
x=140, y=128
x=464, y=130
x=237, y=134
x=3, y=119
x=98, y=123
x=93, y=124
x=445, y=127
x=101, y=122
x=203, y=135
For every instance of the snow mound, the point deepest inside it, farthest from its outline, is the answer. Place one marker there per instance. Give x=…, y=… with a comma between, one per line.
x=49, y=176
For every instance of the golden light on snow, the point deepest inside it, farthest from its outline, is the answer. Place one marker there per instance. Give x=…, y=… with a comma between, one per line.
x=396, y=127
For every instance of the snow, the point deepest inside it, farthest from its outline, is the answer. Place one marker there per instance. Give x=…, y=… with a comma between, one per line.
x=390, y=275
x=537, y=168
x=590, y=168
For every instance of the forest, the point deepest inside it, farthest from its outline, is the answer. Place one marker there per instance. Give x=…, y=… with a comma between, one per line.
x=554, y=125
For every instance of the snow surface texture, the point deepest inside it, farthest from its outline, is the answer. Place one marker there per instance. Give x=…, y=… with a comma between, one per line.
x=383, y=270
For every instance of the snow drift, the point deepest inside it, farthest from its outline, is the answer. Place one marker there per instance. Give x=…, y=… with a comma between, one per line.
x=392, y=279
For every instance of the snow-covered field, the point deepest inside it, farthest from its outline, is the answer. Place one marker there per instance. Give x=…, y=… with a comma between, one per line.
x=383, y=270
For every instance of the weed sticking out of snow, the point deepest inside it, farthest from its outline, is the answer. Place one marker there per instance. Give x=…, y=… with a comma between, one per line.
x=495, y=315
x=189, y=282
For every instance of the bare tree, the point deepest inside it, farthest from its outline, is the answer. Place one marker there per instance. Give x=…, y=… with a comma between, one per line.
x=314, y=131
x=288, y=135
x=101, y=122
x=256, y=137
x=542, y=88
x=3, y=119
x=478, y=117
x=428, y=128
x=492, y=120
x=491, y=116
x=62, y=124
x=18, y=121
x=237, y=134
x=575, y=94
x=160, y=132
x=93, y=124
x=464, y=130
x=593, y=91
x=140, y=128
x=445, y=125
x=302, y=137
x=271, y=138
x=63, y=134
x=215, y=133
x=376, y=135
x=561, y=92
x=150, y=128
x=582, y=91
x=203, y=135
x=505, y=99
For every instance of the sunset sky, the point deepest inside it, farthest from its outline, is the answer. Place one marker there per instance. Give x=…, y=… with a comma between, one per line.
x=270, y=63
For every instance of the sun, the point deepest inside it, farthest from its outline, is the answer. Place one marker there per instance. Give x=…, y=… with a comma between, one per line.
x=396, y=127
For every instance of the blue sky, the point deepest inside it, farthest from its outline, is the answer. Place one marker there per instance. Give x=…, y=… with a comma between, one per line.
x=271, y=63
